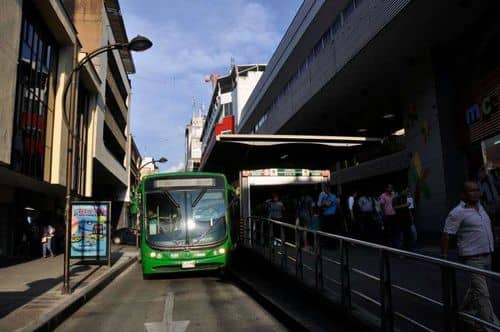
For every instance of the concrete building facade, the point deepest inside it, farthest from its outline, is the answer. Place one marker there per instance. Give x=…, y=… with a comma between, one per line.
x=395, y=70
x=39, y=49
x=42, y=41
x=99, y=23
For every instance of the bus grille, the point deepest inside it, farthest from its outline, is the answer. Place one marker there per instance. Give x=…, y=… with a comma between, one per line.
x=178, y=268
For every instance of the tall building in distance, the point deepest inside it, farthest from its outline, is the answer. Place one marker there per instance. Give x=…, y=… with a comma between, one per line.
x=229, y=96
x=148, y=167
x=193, y=142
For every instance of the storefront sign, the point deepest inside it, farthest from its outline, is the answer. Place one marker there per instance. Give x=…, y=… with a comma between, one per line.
x=480, y=111
x=89, y=229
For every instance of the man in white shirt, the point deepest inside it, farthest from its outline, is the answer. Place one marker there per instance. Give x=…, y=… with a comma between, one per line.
x=470, y=223
x=354, y=225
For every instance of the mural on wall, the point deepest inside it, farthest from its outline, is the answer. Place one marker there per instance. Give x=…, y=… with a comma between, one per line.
x=418, y=177
x=425, y=130
x=412, y=116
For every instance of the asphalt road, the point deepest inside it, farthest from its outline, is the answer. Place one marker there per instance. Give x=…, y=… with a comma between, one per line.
x=206, y=301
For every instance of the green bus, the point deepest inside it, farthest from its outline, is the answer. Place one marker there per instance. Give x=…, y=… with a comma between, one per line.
x=185, y=222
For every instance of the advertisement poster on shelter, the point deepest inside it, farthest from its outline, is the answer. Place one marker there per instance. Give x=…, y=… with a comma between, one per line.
x=89, y=229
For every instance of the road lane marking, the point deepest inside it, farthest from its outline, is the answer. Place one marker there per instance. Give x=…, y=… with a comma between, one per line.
x=167, y=324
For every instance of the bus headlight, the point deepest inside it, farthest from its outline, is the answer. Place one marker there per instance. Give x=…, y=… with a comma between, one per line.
x=220, y=251
x=174, y=255
x=152, y=254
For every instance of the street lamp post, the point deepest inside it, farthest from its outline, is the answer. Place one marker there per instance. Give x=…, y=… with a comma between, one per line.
x=138, y=44
x=153, y=161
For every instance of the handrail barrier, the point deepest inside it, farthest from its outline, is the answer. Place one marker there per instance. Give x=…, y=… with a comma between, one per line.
x=282, y=244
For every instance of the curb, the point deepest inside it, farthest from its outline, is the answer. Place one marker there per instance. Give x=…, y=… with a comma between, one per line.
x=49, y=320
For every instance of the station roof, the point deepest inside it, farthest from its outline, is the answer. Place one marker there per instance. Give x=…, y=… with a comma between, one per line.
x=235, y=152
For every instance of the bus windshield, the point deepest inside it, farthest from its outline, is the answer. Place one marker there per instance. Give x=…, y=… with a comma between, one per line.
x=186, y=217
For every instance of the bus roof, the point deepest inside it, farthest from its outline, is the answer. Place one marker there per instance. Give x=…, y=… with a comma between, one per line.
x=187, y=174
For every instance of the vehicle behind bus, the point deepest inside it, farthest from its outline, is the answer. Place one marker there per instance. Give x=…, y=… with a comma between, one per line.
x=185, y=222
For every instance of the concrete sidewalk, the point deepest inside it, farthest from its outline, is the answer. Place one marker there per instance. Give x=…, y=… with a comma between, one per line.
x=30, y=292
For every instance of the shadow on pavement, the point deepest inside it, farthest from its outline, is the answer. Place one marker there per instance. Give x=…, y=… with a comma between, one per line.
x=10, y=301
x=298, y=301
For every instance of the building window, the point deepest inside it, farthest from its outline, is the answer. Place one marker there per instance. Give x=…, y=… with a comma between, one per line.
x=112, y=145
x=227, y=109
x=34, y=96
x=81, y=129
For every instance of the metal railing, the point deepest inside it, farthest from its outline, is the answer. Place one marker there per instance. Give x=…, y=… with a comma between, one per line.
x=281, y=244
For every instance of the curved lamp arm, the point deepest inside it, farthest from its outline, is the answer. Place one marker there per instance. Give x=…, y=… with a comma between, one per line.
x=161, y=160
x=79, y=66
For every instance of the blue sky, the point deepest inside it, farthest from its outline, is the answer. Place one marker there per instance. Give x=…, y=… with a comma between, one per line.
x=192, y=38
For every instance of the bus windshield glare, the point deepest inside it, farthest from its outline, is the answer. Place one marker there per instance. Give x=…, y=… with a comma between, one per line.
x=185, y=217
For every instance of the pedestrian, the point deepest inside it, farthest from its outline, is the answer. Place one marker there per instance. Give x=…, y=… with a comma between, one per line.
x=378, y=218
x=353, y=214
x=403, y=223
x=389, y=215
x=305, y=205
x=48, y=234
x=366, y=206
x=328, y=203
x=276, y=208
x=24, y=246
x=412, y=235
x=471, y=225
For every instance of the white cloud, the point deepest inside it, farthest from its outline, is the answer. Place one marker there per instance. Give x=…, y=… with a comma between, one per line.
x=176, y=168
x=191, y=39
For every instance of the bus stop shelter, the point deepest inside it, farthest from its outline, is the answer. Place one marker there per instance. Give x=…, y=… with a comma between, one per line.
x=232, y=153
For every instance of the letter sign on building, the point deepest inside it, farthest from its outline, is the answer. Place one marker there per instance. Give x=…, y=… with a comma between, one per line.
x=480, y=111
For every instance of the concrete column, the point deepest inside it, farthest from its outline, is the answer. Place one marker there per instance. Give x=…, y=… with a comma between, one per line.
x=10, y=26
x=424, y=142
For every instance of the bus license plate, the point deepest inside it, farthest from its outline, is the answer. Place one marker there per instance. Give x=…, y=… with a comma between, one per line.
x=188, y=265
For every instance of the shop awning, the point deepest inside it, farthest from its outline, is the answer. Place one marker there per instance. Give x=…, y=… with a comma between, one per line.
x=235, y=152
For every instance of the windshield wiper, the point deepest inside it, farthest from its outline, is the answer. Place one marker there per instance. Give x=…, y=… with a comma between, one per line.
x=200, y=195
x=208, y=231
